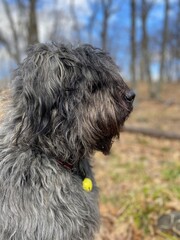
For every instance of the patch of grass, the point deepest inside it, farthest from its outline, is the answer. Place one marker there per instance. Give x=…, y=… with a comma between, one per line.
x=165, y=149
x=117, y=177
x=142, y=140
x=142, y=119
x=112, y=199
x=137, y=170
x=171, y=172
x=144, y=216
x=114, y=159
x=176, y=190
x=125, y=165
x=155, y=193
x=142, y=158
x=143, y=205
x=166, y=236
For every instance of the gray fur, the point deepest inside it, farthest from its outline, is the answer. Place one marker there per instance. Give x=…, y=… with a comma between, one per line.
x=67, y=102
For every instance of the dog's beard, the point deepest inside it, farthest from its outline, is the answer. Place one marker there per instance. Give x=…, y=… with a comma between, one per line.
x=104, y=145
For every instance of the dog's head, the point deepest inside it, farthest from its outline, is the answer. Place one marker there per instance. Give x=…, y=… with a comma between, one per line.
x=71, y=97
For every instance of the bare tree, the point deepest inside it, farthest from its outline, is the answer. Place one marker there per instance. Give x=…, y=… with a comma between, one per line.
x=171, y=69
x=94, y=6
x=23, y=29
x=76, y=25
x=146, y=6
x=108, y=10
x=32, y=25
x=104, y=34
x=133, y=43
x=15, y=53
x=163, y=48
x=177, y=37
x=58, y=17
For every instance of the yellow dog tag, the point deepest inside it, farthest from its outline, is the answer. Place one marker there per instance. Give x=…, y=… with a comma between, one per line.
x=87, y=184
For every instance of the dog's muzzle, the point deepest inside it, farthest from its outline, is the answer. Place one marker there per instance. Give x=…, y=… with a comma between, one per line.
x=130, y=96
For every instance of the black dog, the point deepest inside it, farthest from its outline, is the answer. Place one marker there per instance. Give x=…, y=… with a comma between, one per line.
x=67, y=103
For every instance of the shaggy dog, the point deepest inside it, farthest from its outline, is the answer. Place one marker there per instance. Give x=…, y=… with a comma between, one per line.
x=67, y=102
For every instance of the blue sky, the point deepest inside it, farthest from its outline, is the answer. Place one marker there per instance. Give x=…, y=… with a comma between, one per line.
x=119, y=38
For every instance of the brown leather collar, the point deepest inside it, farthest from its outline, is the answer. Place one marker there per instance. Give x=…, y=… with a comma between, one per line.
x=73, y=168
x=66, y=165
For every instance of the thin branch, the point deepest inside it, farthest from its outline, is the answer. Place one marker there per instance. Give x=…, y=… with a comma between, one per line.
x=13, y=29
x=92, y=19
x=4, y=41
x=76, y=27
x=152, y=133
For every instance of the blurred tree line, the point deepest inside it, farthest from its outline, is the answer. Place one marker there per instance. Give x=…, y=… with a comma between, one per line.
x=145, y=44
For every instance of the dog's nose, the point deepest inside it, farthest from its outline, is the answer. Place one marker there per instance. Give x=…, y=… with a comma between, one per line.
x=130, y=95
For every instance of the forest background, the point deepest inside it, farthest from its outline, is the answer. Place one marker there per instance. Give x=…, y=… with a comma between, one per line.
x=139, y=181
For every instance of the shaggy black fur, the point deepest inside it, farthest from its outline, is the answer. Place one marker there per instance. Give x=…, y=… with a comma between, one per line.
x=74, y=97
x=67, y=103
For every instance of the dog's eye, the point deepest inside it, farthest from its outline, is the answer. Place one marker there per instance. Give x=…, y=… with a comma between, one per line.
x=96, y=87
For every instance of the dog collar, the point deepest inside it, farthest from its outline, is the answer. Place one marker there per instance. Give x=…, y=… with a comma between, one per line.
x=66, y=165
x=87, y=184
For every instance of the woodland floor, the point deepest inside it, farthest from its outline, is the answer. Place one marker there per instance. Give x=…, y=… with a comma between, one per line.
x=140, y=179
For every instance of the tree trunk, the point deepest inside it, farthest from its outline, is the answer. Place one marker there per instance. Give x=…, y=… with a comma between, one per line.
x=145, y=61
x=76, y=28
x=92, y=19
x=133, y=43
x=32, y=28
x=177, y=49
x=152, y=133
x=104, y=33
x=16, y=53
x=163, y=49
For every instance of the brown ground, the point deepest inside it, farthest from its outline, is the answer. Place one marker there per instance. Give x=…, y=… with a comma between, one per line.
x=140, y=180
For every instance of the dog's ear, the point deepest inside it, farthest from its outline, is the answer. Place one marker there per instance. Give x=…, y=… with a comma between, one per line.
x=39, y=80
x=38, y=107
